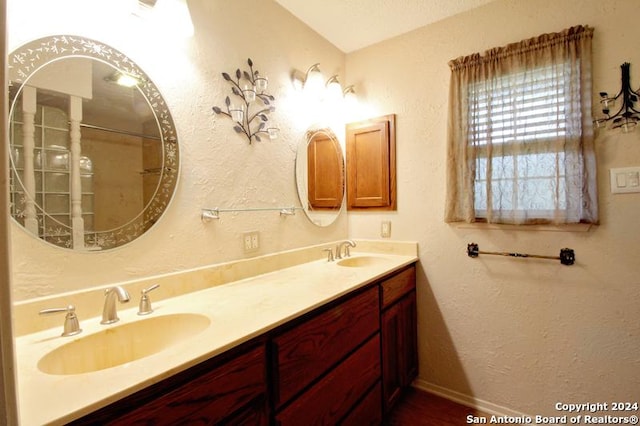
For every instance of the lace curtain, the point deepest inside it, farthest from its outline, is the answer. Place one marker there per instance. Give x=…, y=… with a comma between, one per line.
x=520, y=136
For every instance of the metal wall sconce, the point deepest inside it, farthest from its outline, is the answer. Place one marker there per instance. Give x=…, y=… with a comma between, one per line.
x=163, y=13
x=627, y=116
x=249, y=87
x=315, y=88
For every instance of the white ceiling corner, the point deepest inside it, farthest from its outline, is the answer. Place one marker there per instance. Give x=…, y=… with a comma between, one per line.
x=353, y=24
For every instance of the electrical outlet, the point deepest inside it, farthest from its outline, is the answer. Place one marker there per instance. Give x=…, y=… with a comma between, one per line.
x=385, y=229
x=251, y=241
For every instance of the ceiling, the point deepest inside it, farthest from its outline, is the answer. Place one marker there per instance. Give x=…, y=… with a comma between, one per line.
x=354, y=24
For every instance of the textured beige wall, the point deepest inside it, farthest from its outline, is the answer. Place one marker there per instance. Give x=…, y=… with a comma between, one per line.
x=8, y=406
x=511, y=333
x=218, y=168
x=520, y=334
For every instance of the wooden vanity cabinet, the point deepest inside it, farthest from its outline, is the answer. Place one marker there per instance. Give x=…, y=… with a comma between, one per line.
x=325, y=365
x=230, y=389
x=399, y=335
x=343, y=363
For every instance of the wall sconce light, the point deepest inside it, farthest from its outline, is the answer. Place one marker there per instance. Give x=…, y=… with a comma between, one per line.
x=249, y=87
x=333, y=89
x=173, y=13
x=627, y=116
x=350, y=97
x=313, y=84
x=349, y=91
x=314, y=88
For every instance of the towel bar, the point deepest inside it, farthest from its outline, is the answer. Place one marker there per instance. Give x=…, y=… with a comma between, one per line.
x=566, y=257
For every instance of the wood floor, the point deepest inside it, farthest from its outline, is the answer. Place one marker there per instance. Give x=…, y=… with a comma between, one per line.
x=421, y=408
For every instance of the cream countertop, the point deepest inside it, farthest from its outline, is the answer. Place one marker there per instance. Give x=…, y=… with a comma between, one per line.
x=238, y=311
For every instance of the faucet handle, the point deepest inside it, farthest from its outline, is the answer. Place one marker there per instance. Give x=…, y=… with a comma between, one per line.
x=145, y=302
x=329, y=254
x=71, y=323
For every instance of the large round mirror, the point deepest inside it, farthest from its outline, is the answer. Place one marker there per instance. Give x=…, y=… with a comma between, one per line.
x=94, y=153
x=320, y=176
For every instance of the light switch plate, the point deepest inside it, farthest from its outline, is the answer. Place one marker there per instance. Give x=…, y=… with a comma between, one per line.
x=625, y=180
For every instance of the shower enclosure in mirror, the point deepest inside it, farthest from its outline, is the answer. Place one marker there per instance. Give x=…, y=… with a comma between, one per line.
x=320, y=176
x=93, y=148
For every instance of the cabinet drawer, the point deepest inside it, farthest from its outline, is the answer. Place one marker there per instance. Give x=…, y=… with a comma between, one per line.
x=210, y=398
x=336, y=393
x=368, y=411
x=397, y=286
x=305, y=352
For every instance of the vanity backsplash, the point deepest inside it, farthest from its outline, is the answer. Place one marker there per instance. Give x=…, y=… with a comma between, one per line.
x=89, y=302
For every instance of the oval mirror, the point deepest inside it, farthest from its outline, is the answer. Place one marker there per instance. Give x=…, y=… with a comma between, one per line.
x=320, y=176
x=94, y=153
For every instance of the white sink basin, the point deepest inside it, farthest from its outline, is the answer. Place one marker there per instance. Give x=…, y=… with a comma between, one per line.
x=121, y=344
x=362, y=261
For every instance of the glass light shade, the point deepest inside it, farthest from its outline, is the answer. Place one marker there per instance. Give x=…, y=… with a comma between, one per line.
x=237, y=113
x=334, y=90
x=175, y=15
x=249, y=93
x=261, y=84
x=314, y=83
x=350, y=98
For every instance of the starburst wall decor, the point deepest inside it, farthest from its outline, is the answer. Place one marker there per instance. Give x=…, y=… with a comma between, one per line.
x=250, y=108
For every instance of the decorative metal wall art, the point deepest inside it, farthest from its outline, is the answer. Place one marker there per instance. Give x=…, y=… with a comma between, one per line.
x=627, y=116
x=249, y=88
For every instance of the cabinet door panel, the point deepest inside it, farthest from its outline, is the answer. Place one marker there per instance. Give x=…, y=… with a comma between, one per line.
x=399, y=348
x=410, y=339
x=371, y=164
x=325, y=173
x=310, y=349
x=391, y=329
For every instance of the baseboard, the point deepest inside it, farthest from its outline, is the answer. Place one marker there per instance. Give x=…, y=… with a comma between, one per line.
x=468, y=400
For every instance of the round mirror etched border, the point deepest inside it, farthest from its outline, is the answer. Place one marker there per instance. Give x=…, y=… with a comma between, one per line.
x=29, y=58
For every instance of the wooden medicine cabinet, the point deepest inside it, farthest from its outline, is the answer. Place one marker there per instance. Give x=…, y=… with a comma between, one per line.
x=371, y=164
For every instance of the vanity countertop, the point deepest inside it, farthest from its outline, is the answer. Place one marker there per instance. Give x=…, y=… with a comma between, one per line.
x=238, y=311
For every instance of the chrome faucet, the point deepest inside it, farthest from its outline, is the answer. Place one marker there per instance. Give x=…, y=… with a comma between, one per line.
x=109, y=314
x=346, y=244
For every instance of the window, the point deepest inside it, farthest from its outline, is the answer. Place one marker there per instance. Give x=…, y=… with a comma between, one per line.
x=520, y=139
